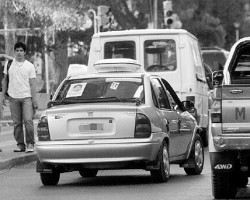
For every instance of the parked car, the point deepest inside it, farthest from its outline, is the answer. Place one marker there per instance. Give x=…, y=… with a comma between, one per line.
x=117, y=119
x=214, y=57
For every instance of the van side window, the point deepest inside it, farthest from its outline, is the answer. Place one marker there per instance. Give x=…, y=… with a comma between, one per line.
x=121, y=49
x=160, y=95
x=197, y=57
x=241, y=69
x=160, y=55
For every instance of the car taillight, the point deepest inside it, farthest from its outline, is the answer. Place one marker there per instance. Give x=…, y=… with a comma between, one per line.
x=43, y=129
x=142, y=126
x=216, y=116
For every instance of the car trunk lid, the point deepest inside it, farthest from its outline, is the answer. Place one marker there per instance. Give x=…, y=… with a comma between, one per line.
x=235, y=109
x=90, y=121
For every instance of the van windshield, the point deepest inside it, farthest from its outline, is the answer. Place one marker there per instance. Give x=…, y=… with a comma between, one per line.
x=121, y=49
x=160, y=55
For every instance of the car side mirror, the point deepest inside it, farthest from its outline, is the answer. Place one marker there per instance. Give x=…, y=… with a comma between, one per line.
x=217, y=77
x=188, y=105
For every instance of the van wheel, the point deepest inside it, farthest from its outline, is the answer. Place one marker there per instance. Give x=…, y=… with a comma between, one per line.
x=50, y=179
x=197, y=157
x=223, y=186
x=88, y=173
x=162, y=174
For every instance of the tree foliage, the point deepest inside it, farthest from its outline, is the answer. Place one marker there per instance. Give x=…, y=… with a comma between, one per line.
x=211, y=21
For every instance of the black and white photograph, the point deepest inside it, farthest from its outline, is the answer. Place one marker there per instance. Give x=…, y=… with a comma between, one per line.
x=125, y=99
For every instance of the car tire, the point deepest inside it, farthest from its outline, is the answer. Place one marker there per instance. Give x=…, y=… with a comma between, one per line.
x=223, y=185
x=204, y=137
x=162, y=174
x=197, y=157
x=242, y=180
x=50, y=178
x=88, y=173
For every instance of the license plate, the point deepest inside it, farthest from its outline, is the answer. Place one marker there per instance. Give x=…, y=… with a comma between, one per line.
x=95, y=127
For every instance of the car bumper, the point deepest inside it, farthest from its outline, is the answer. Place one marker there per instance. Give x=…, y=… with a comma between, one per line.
x=232, y=142
x=97, y=151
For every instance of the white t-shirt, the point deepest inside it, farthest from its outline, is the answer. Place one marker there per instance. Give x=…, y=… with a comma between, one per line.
x=19, y=75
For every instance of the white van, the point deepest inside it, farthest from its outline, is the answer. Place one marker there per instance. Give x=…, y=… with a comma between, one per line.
x=173, y=54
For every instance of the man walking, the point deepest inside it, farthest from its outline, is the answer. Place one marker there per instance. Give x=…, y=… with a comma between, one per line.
x=19, y=86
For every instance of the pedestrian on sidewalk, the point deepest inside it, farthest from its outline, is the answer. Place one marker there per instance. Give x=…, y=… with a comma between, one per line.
x=19, y=86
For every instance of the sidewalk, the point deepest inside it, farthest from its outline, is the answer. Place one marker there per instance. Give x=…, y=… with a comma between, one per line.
x=8, y=158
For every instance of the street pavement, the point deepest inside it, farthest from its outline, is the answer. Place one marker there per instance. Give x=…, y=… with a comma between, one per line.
x=8, y=158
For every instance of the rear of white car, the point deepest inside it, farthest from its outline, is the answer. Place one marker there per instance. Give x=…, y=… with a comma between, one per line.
x=99, y=122
x=122, y=120
x=96, y=133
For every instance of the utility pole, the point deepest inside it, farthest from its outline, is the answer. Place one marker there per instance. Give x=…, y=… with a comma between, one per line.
x=155, y=14
x=46, y=61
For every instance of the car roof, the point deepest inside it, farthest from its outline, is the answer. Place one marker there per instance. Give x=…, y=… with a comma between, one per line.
x=112, y=74
x=143, y=32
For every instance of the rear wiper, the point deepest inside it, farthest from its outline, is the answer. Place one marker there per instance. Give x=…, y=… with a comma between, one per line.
x=111, y=98
x=136, y=100
x=61, y=101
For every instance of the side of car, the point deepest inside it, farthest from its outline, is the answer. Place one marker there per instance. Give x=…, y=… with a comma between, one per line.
x=148, y=131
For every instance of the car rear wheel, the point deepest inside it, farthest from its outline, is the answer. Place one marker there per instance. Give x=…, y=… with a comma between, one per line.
x=223, y=186
x=50, y=178
x=197, y=157
x=88, y=173
x=162, y=174
x=242, y=180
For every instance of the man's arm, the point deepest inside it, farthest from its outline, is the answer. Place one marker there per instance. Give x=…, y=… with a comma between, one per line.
x=33, y=92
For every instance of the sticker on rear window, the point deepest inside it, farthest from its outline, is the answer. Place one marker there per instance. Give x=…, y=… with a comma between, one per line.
x=114, y=85
x=76, y=89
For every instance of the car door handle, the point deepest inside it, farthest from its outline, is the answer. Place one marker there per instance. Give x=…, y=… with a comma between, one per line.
x=235, y=91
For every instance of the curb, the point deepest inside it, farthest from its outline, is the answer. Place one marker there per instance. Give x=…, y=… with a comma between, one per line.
x=18, y=161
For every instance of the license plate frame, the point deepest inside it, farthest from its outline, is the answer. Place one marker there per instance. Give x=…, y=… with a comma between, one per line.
x=91, y=127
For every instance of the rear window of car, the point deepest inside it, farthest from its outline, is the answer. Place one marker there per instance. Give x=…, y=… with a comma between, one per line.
x=215, y=60
x=121, y=49
x=102, y=88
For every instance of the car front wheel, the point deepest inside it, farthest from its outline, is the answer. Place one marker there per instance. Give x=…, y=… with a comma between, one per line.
x=50, y=178
x=197, y=157
x=162, y=174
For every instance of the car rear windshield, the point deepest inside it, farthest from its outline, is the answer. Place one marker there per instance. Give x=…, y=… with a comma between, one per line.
x=121, y=49
x=102, y=89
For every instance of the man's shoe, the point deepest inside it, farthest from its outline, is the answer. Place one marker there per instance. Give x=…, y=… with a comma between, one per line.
x=29, y=149
x=19, y=150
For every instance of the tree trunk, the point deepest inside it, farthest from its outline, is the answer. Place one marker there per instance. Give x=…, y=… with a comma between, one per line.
x=9, y=23
x=61, y=60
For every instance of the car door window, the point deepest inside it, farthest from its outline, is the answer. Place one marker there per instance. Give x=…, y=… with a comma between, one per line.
x=240, y=73
x=160, y=97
